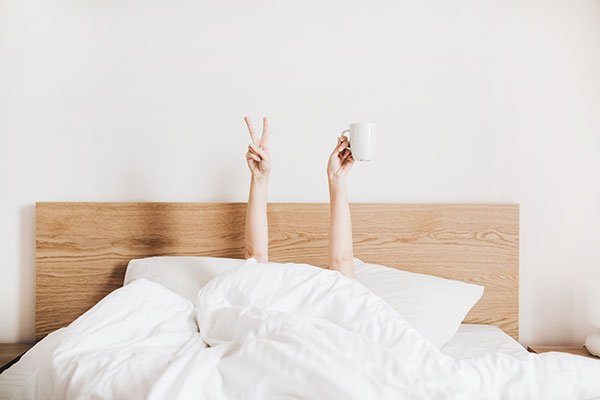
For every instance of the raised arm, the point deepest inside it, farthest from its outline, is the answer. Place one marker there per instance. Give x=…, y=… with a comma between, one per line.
x=340, y=227
x=259, y=163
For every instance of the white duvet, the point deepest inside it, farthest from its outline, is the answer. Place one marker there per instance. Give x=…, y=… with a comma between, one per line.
x=271, y=331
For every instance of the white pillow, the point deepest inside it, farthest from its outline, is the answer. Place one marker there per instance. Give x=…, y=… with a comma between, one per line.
x=183, y=275
x=432, y=305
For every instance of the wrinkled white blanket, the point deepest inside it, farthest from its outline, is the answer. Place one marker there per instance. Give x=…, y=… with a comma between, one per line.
x=281, y=331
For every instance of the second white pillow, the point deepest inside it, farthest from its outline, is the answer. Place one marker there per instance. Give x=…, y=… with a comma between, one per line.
x=432, y=305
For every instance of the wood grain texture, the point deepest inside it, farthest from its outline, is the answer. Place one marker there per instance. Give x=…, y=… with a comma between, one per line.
x=82, y=249
x=10, y=351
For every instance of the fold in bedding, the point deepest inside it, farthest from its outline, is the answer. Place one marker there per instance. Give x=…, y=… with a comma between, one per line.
x=275, y=331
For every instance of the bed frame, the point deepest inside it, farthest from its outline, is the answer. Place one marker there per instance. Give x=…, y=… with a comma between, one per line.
x=82, y=249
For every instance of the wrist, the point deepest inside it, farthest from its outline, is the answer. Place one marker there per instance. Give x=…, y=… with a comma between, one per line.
x=337, y=188
x=260, y=179
x=336, y=181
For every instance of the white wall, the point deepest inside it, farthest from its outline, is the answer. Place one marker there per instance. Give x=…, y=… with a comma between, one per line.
x=477, y=101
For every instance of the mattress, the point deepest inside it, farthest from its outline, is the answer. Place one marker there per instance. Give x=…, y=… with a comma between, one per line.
x=471, y=340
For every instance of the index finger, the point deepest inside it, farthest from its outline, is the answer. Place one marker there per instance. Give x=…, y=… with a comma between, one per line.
x=250, y=129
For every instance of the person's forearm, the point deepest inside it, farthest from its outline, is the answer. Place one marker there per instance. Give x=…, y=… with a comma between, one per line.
x=257, y=228
x=340, y=229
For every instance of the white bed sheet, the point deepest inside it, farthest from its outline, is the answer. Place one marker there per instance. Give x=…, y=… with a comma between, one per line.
x=474, y=340
x=471, y=340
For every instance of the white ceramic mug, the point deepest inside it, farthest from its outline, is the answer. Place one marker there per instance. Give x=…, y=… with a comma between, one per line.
x=362, y=136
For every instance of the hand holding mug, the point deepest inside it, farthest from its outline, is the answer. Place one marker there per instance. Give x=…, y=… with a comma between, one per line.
x=340, y=160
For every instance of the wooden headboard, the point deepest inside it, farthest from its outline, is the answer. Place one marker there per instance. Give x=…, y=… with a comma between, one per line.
x=82, y=249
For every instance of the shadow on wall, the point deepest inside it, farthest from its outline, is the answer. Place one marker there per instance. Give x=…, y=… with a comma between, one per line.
x=26, y=325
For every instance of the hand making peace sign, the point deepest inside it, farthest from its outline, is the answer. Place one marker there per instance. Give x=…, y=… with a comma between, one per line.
x=258, y=157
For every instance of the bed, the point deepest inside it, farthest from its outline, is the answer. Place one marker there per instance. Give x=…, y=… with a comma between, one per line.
x=82, y=251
